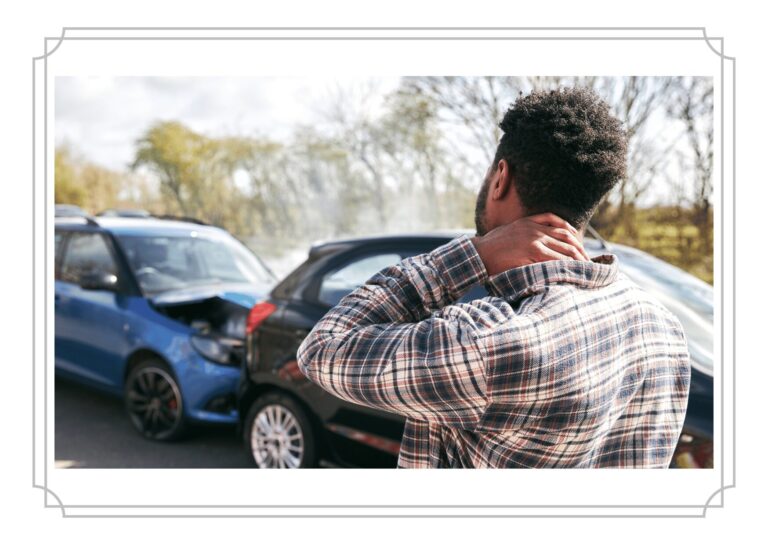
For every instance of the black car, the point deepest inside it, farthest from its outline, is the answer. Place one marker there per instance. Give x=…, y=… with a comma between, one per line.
x=287, y=421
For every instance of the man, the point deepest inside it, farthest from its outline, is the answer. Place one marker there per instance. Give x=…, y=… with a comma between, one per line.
x=567, y=364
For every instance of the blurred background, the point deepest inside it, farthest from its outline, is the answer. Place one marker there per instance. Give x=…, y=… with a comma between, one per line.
x=283, y=162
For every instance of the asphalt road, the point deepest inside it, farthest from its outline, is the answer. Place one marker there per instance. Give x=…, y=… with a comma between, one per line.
x=92, y=430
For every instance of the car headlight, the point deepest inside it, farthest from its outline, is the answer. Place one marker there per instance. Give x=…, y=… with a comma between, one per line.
x=222, y=350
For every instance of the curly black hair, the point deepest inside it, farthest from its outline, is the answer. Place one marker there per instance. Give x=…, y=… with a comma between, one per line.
x=565, y=151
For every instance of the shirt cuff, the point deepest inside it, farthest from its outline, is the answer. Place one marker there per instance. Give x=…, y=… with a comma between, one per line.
x=458, y=265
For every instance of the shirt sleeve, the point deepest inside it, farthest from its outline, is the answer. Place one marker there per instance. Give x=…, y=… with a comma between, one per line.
x=398, y=344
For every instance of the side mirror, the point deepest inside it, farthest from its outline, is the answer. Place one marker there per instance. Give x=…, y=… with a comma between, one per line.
x=99, y=280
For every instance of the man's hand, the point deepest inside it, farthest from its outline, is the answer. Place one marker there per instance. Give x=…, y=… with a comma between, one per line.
x=543, y=237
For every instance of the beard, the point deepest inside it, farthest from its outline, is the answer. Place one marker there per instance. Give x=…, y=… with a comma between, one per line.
x=482, y=198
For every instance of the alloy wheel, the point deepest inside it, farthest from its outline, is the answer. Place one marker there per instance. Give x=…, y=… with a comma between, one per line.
x=277, y=440
x=154, y=403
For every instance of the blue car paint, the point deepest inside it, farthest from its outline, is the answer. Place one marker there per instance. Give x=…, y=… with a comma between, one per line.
x=97, y=332
x=244, y=295
x=90, y=335
x=199, y=380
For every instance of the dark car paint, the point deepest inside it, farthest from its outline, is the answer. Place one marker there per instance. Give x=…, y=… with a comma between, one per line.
x=699, y=417
x=273, y=363
x=271, y=360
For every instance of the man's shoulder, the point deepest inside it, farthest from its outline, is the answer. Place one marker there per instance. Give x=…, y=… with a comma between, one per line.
x=651, y=307
x=539, y=302
x=539, y=305
x=641, y=295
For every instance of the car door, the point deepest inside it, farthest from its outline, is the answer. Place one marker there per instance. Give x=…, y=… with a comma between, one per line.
x=90, y=325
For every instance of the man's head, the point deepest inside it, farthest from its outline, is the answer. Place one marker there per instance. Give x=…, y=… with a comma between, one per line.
x=561, y=152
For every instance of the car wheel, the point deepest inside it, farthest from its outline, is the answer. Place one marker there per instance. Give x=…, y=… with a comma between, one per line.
x=153, y=401
x=278, y=433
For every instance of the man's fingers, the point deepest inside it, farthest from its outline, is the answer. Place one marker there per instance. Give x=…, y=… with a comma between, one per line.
x=548, y=218
x=566, y=236
x=567, y=250
x=548, y=254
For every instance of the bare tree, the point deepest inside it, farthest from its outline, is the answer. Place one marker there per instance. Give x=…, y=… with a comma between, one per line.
x=352, y=119
x=635, y=100
x=475, y=104
x=693, y=105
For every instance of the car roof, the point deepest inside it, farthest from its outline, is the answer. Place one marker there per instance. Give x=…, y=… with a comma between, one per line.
x=322, y=247
x=138, y=226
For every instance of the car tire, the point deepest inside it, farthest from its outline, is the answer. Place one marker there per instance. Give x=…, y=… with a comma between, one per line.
x=153, y=401
x=279, y=434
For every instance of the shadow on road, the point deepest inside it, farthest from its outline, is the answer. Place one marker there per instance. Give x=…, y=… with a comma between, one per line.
x=93, y=431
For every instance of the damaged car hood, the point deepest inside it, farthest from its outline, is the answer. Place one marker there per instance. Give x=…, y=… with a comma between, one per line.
x=245, y=295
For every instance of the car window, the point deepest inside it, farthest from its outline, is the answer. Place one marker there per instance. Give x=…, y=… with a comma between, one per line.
x=338, y=283
x=219, y=262
x=57, y=247
x=163, y=263
x=57, y=240
x=86, y=253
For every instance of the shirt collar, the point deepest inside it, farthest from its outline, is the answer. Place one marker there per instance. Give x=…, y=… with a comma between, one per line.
x=529, y=279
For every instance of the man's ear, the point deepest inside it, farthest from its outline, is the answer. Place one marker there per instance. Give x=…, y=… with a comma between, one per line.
x=502, y=181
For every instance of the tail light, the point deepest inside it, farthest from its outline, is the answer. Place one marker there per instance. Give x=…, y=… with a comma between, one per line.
x=259, y=313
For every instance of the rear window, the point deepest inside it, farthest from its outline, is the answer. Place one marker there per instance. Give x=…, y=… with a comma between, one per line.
x=285, y=288
x=340, y=282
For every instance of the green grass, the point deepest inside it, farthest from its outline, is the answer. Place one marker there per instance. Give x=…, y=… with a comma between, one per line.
x=671, y=235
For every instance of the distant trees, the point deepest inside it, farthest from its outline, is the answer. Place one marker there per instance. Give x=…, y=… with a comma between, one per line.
x=69, y=187
x=635, y=100
x=407, y=169
x=253, y=186
x=80, y=182
x=476, y=104
x=195, y=171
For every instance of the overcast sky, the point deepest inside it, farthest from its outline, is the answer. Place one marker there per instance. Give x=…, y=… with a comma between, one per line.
x=102, y=117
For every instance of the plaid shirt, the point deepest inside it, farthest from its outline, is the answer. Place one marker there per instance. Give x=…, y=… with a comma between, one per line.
x=567, y=364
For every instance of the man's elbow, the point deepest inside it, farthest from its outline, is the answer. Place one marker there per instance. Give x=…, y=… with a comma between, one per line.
x=311, y=354
x=304, y=356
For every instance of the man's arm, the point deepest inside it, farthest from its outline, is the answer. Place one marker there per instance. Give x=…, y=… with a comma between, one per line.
x=381, y=346
x=398, y=343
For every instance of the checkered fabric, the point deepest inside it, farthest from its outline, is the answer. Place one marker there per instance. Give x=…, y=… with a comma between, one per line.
x=567, y=364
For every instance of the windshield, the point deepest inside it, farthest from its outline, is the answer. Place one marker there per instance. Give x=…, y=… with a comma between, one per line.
x=166, y=262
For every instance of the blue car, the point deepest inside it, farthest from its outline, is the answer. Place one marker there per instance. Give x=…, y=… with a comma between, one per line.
x=155, y=311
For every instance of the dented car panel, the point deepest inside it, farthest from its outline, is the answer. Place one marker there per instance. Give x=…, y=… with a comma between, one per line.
x=199, y=379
